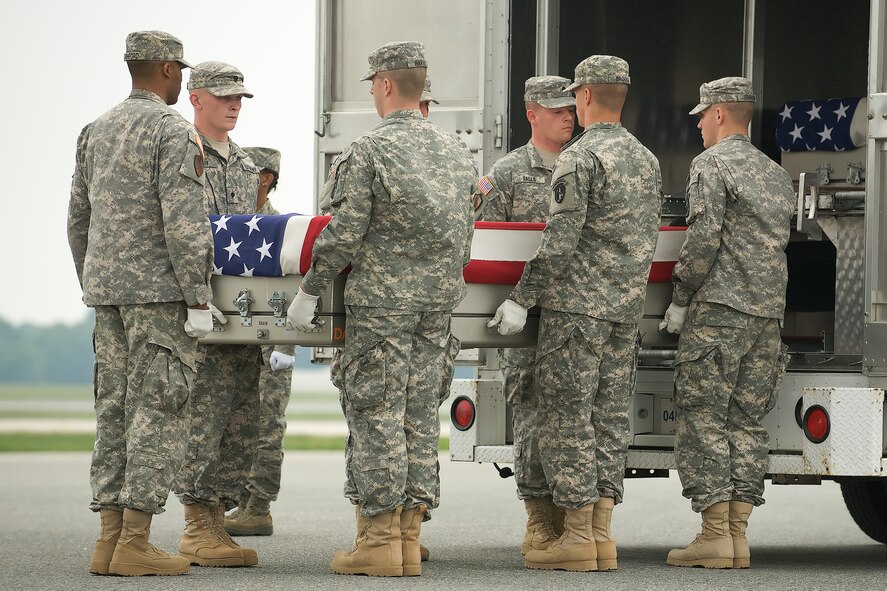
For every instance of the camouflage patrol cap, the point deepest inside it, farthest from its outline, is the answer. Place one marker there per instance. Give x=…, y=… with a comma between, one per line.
x=732, y=89
x=549, y=92
x=400, y=55
x=427, y=97
x=218, y=78
x=265, y=158
x=143, y=46
x=600, y=69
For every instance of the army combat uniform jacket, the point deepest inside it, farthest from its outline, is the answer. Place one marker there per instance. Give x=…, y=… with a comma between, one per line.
x=520, y=190
x=406, y=232
x=598, y=245
x=137, y=237
x=739, y=204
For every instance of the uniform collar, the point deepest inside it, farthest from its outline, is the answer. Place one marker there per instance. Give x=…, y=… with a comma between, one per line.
x=141, y=93
x=404, y=114
x=235, y=152
x=741, y=137
x=604, y=125
x=534, y=156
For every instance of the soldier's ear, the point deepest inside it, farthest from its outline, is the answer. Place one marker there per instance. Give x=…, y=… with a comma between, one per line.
x=166, y=69
x=195, y=101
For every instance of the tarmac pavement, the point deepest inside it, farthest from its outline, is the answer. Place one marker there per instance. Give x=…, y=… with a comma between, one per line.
x=803, y=538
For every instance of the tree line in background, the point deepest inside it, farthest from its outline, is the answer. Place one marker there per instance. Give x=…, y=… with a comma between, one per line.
x=57, y=354
x=61, y=353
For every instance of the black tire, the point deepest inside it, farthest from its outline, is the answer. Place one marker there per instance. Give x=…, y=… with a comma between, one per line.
x=866, y=501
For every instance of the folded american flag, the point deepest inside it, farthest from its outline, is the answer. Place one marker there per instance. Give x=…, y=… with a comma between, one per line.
x=818, y=125
x=499, y=250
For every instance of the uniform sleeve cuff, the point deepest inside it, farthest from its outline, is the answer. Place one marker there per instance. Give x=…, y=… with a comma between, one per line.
x=681, y=297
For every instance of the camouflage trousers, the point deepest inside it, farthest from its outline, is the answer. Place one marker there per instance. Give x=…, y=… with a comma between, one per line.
x=395, y=366
x=518, y=367
x=274, y=394
x=144, y=376
x=585, y=368
x=727, y=374
x=224, y=426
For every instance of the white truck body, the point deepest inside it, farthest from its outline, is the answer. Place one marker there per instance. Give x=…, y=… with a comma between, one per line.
x=481, y=51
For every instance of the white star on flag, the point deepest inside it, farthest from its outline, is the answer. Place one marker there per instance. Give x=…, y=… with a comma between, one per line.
x=825, y=134
x=253, y=224
x=786, y=112
x=221, y=223
x=796, y=133
x=264, y=250
x=842, y=111
x=216, y=270
x=814, y=112
x=247, y=272
x=232, y=249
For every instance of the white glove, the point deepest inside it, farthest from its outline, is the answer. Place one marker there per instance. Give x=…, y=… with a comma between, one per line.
x=510, y=317
x=217, y=314
x=300, y=314
x=281, y=361
x=199, y=323
x=674, y=319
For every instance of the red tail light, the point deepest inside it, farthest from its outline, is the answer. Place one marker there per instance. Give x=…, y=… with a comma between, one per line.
x=816, y=424
x=462, y=413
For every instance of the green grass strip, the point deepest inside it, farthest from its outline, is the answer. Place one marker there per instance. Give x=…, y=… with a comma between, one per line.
x=15, y=442
x=61, y=442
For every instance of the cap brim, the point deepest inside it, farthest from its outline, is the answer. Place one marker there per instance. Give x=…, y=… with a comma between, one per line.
x=699, y=108
x=572, y=87
x=558, y=103
x=185, y=64
x=369, y=74
x=231, y=90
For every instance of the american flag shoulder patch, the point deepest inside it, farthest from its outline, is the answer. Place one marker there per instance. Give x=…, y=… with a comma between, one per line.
x=484, y=185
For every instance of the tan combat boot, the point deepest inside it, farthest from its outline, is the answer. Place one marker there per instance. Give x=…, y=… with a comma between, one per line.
x=410, y=524
x=540, y=531
x=739, y=513
x=713, y=547
x=134, y=556
x=558, y=516
x=377, y=552
x=252, y=519
x=603, y=539
x=112, y=521
x=575, y=550
x=201, y=543
x=250, y=557
x=242, y=504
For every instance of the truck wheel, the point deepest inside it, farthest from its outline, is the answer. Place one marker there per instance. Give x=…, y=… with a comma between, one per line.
x=867, y=502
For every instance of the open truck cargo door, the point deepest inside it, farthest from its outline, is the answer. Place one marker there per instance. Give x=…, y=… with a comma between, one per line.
x=466, y=45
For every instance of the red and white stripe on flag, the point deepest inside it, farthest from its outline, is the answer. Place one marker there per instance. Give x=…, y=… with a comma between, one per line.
x=499, y=250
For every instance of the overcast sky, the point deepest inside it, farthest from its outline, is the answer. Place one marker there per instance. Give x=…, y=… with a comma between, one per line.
x=63, y=66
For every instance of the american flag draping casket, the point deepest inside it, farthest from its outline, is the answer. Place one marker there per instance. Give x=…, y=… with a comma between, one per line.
x=259, y=262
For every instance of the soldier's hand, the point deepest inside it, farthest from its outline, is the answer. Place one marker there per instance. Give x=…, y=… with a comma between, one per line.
x=217, y=314
x=199, y=322
x=281, y=361
x=510, y=318
x=300, y=314
x=675, y=316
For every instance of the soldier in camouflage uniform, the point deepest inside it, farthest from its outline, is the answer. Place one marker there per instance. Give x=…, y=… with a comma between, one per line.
x=729, y=284
x=402, y=217
x=142, y=250
x=225, y=405
x=589, y=276
x=517, y=189
x=253, y=514
x=325, y=208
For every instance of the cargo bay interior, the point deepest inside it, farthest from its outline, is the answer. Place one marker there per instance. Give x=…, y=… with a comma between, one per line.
x=817, y=53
